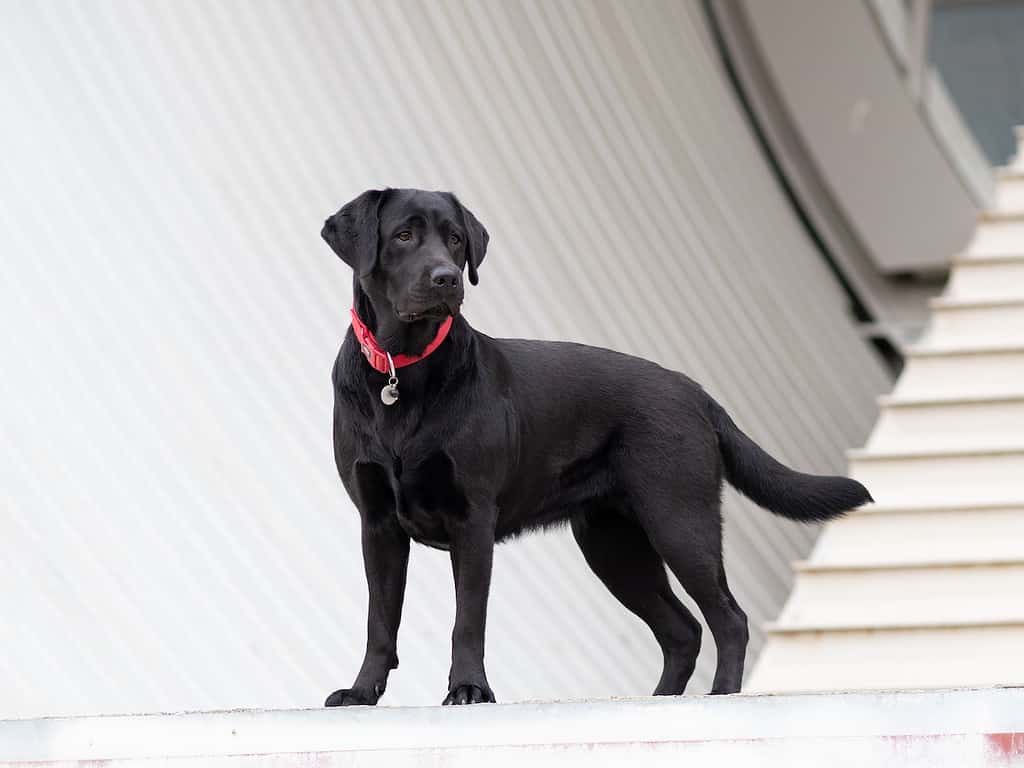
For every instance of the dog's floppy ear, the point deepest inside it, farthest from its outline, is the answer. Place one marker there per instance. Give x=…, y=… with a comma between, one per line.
x=352, y=231
x=476, y=236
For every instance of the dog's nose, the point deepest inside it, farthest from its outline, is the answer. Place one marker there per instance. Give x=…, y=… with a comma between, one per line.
x=445, y=278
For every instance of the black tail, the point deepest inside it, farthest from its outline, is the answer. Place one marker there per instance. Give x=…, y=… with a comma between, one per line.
x=776, y=487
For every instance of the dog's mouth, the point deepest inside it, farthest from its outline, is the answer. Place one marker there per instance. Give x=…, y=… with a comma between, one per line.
x=437, y=312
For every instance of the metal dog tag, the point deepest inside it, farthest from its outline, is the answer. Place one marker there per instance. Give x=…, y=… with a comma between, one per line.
x=389, y=395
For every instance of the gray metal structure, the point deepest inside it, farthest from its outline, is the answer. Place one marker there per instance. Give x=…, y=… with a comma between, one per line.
x=174, y=535
x=868, y=141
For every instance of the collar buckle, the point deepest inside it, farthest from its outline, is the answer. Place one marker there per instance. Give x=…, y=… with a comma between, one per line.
x=379, y=359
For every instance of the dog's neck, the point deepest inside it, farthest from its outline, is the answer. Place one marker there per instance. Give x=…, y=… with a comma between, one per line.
x=392, y=334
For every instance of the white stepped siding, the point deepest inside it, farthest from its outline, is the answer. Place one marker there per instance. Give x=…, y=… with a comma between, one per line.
x=925, y=588
x=1010, y=192
x=893, y=535
x=174, y=532
x=996, y=422
x=880, y=595
x=942, y=477
x=987, y=277
x=998, y=234
x=871, y=658
x=962, y=372
x=965, y=322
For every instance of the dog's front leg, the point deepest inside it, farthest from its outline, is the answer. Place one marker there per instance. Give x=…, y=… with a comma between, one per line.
x=472, y=551
x=386, y=560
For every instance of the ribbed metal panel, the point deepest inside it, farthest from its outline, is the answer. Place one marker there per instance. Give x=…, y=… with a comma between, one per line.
x=174, y=536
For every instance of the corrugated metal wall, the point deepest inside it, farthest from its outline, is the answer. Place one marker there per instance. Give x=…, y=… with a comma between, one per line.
x=173, y=532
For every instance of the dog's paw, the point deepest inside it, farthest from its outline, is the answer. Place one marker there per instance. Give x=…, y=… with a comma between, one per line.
x=468, y=693
x=352, y=697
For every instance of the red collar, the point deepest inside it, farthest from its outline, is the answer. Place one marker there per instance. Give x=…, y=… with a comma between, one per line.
x=378, y=358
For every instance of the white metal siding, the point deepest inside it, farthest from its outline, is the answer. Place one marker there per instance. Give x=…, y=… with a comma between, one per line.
x=174, y=536
x=878, y=604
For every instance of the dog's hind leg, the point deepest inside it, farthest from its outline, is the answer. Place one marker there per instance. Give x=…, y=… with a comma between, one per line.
x=690, y=541
x=621, y=556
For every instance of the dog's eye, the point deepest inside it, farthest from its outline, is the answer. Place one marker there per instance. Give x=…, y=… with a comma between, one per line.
x=405, y=235
x=454, y=239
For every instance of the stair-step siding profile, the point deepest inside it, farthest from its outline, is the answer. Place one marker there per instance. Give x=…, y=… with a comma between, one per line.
x=923, y=535
x=963, y=371
x=941, y=477
x=900, y=594
x=965, y=322
x=875, y=658
x=1010, y=192
x=987, y=278
x=950, y=423
x=998, y=234
x=925, y=588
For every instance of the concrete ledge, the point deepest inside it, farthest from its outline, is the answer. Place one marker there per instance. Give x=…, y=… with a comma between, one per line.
x=970, y=727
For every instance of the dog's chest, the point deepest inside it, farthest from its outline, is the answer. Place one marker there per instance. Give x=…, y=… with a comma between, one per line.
x=423, y=525
x=427, y=499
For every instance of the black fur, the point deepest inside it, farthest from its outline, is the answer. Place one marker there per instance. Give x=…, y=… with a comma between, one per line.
x=493, y=437
x=776, y=487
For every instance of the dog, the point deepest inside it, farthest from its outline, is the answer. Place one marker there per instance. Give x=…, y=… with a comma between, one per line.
x=456, y=440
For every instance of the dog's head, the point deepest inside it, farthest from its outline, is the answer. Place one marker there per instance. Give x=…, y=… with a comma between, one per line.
x=408, y=248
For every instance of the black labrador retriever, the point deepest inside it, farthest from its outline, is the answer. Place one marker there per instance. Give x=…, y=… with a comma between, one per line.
x=450, y=438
